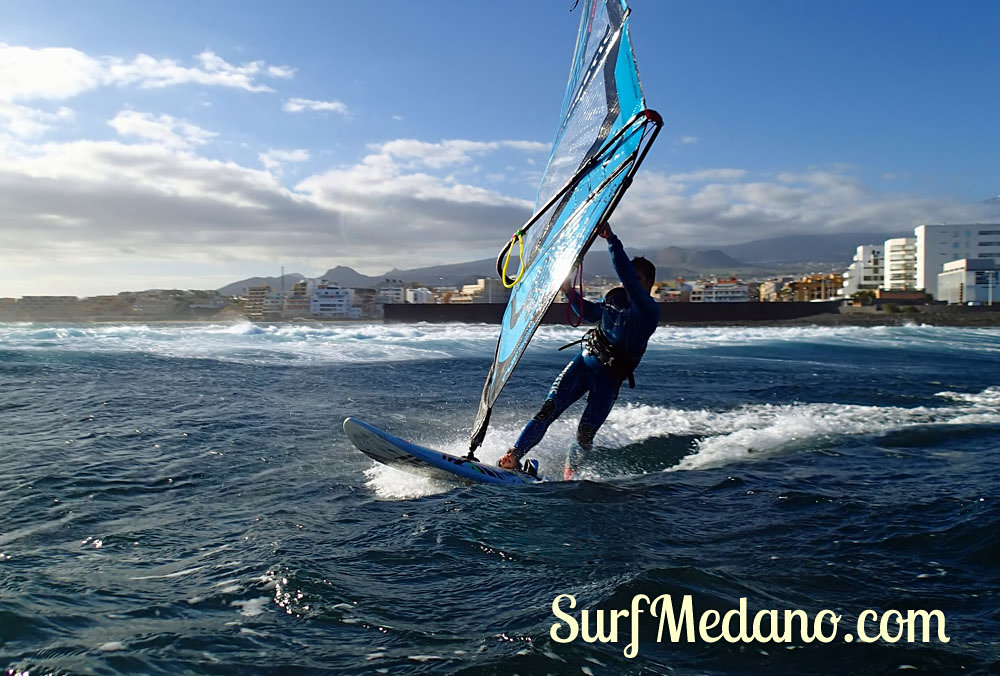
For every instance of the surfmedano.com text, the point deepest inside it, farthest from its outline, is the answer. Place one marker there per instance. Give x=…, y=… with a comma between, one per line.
x=679, y=623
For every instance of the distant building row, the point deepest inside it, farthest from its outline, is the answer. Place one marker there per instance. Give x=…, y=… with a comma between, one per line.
x=320, y=298
x=951, y=263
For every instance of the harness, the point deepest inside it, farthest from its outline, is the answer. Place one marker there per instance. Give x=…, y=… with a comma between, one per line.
x=621, y=363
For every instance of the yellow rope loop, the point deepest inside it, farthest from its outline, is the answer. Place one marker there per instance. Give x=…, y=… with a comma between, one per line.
x=519, y=236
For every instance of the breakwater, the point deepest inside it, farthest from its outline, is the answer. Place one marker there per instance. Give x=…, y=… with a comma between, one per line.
x=670, y=313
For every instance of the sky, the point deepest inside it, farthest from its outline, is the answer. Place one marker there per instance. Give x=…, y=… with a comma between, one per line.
x=193, y=144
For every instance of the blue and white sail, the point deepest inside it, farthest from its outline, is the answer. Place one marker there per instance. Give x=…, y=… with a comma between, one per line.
x=604, y=133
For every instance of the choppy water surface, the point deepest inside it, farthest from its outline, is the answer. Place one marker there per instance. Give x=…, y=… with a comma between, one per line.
x=181, y=499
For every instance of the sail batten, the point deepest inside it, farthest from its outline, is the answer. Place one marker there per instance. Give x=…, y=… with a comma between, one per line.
x=604, y=133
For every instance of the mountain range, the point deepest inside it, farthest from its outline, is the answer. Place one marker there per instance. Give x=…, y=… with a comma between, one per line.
x=793, y=254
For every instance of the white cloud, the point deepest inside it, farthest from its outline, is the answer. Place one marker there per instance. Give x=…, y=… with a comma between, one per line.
x=527, y=146
x=49, y=73
x=273, y=159
x=24, y=122
x=164, y=130
x=52, y=74
x=393, y=196
x=149, y=72
x=725, y=175
x=162, y=202
x=284, y=72
x=414, y=153
x=58, y=73
x=733, y=206
x=407, y=203
x=689, y=140
x=299, y=105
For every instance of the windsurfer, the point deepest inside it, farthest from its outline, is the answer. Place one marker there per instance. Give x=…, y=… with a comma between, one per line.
x=626, y=317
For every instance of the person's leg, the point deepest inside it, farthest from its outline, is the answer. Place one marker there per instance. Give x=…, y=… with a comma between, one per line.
x=603, y=393
x=565, y=390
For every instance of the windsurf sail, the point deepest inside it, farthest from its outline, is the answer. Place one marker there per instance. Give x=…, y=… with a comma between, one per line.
x=604, y=134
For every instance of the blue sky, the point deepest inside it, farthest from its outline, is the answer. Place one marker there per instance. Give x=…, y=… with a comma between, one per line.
x=189, y=144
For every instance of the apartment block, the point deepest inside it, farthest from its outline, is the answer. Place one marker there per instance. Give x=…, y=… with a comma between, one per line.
x=816, y=287
x=720, y=291
x=330, y=300
x=940, y=244
x=969, y=280
x=900, y=267
x=866, y=271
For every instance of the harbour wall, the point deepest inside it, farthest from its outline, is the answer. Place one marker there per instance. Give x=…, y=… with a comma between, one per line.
x=670, y=313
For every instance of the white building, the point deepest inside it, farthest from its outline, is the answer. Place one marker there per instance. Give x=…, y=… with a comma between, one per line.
x=940, y=244
x=487, y=290
x=865, y=271
x=419, y=296
x=457, y=298
x=330, y=300
x=720, y=291
x=900, y=266
x=969, y=280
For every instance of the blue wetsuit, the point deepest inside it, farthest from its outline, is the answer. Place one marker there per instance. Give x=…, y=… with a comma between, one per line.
x=627, y=320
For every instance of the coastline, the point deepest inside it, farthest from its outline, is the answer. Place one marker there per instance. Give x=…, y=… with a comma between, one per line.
x=979, y=317
x=952, y=319
x=730, y=314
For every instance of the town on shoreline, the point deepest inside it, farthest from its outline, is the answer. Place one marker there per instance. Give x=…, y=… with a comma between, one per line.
x=829, y=313
x=944, y=274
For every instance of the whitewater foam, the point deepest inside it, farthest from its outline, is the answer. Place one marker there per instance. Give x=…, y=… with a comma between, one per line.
x=332, y=343
x=741, y=434
x=758, y=431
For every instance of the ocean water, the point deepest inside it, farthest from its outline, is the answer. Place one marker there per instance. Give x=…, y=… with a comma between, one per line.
x=180, y=499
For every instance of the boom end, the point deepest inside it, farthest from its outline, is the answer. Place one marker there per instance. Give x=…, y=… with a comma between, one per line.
x=653, y=116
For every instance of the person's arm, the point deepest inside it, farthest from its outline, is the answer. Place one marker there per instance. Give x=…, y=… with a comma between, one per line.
x=626, y=272
x=591, y=311
x=623, y=266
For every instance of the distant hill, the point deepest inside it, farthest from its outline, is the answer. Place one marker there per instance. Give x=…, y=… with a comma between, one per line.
x=779, y=255
x=455, y=274
x=694, y=259
x=349, y=277
x=240, y=288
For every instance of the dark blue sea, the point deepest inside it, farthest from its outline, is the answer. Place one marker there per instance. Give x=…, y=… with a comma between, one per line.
x=181, y=499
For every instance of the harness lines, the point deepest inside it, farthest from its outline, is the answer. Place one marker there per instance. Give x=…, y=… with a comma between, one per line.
x=621, y=363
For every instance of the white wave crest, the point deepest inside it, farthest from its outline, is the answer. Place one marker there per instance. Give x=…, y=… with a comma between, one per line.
x=360, y=342
x=243, y=342
x=726, y=436
x=760, y=430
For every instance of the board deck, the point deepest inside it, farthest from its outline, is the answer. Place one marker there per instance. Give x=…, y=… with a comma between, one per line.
x=401, y=454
